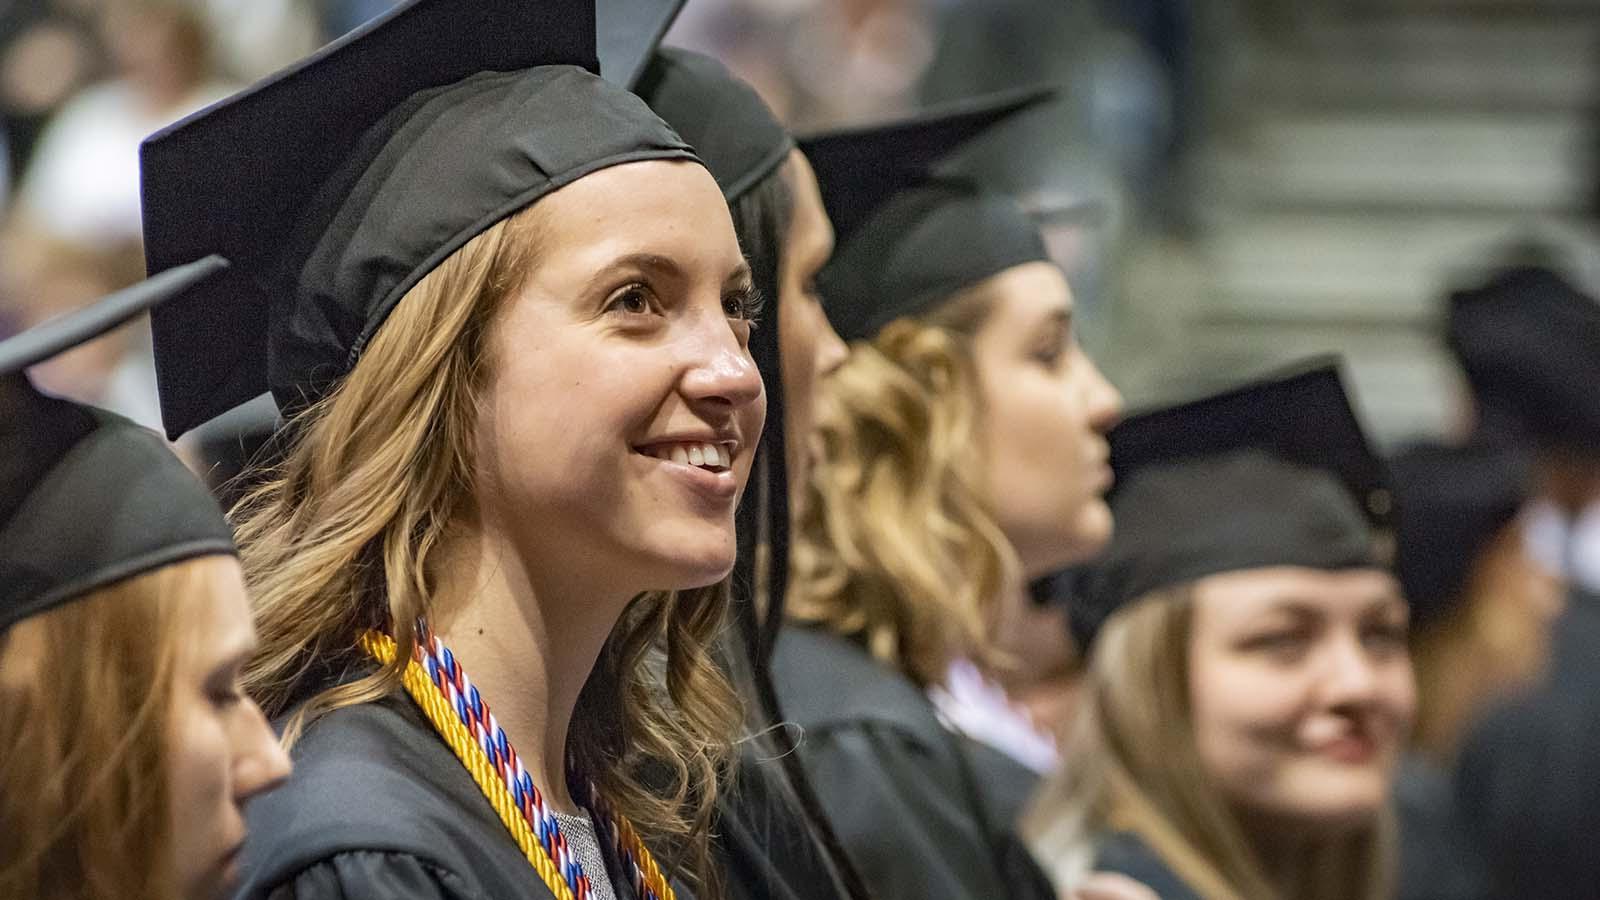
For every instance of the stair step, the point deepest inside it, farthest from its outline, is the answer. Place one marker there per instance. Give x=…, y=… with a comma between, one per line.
x=1467, y=161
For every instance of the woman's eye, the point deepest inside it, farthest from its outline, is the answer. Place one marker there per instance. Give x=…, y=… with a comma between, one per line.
x=1385, y=637
x=223, y=699
x=746, y=304
x=1277, y=644
x=632, y=300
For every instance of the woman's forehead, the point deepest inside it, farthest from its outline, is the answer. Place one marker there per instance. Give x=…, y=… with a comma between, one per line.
x=1241, y=595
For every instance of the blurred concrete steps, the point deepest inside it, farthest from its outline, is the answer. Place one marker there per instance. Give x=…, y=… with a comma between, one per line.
x=1511, y=162
x=1377, y=153
x=1530, y=60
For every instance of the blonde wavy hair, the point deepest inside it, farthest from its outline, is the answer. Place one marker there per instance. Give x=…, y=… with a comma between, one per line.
x=85, y=697
x=342, y=536
x=896, y=544
x=1135, y=767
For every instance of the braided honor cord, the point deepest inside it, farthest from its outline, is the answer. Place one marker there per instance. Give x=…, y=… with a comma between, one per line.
x=437, y=684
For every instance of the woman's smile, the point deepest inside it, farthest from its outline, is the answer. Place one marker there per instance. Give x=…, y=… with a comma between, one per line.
x=703, y=466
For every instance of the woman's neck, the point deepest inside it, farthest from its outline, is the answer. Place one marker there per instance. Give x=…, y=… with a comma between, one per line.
x=528, y=641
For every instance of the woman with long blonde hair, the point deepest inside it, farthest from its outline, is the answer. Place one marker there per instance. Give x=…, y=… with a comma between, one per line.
x=127, y=749
x=505, y=311
x=771, y=834
x=1248, y=690
x=960, y=451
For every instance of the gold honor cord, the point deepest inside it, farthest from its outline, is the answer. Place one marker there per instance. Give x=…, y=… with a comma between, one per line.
x=444, y=720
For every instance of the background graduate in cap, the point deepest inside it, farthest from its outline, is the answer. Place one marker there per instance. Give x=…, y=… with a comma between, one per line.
x=1482, y=611
x=1249, y=689
x=1529, y=342
x=911, y=539
x=505, y=311
x=127, y=749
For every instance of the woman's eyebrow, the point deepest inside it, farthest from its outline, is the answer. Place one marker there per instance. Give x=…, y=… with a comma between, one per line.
x=232, y=661
x=1058, y=319
x=650, y=263
x=741, y=278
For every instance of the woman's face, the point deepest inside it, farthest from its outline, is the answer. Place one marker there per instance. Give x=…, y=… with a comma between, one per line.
x=808, y=347
x=221, y=751
x=1047, y=409
x=1301, y=691
x=621, y=405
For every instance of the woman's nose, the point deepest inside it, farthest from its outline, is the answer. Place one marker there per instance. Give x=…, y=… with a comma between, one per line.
x=260, y=762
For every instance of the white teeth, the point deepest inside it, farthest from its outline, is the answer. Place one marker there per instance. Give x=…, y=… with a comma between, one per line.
x=715, y=456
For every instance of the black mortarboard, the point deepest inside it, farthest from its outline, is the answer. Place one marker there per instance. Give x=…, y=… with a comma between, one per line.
x=1530, y=344
x=908, y=237
x=627, y=34
x=726, y=121
x=730, y=127
x=1277, y=472
x=1450, y=502
x=88, y=498
x=337, y=184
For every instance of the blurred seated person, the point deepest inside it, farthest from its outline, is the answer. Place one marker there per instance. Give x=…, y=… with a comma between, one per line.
x=1249, y=688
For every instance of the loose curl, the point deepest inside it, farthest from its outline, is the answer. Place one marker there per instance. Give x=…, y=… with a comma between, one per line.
x=340, y=537
x=85, y=698
x=1136, y=767
x=896, y=543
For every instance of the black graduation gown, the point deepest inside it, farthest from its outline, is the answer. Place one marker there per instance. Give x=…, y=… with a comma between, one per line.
x=1125, y=853
x=1528, y=775
x=901, y=790
x=1438, y=858
x=379, y=807
x=764, y=846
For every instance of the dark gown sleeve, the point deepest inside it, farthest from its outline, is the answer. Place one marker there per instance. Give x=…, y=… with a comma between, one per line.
x=900, y=815
x=374, y=875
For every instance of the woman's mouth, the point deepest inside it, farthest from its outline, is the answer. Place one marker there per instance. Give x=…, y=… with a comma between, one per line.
x=704, y=467
x=1351, y=749
x=228, y=868
x=713, y=456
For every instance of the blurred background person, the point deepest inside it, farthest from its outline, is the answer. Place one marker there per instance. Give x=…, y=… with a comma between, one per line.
x=82, y=183
x=1482, y=612
x=1529, y=341
x=1249, y=690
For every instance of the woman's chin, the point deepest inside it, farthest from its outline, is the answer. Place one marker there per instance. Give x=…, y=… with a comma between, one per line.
x=1086, y=535
x=682, y=571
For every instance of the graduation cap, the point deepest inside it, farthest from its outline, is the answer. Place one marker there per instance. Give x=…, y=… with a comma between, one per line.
x=731, y=128
x=1450, y=502
x=88, y=498
x=627, y=35
x=726, y=121
x=336, y=185
x=1276, y=472
x=1530, y=345
x=907, y=236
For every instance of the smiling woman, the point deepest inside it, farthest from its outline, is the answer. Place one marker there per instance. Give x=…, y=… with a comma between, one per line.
x=509, y=321
x=1249, y=688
